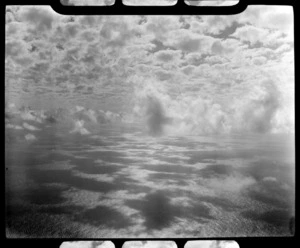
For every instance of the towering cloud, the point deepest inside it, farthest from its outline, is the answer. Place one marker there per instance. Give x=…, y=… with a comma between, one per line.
x=156, y=118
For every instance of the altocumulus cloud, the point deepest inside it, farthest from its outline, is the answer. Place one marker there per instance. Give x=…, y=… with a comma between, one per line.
x=195, y=76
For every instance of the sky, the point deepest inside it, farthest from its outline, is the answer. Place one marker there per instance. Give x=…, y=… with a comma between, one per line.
x=206, y=73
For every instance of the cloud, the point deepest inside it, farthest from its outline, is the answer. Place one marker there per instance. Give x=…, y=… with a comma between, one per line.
x=13, y=48
x=204, y=64
x=161, y=26
x=30, y=137
x=168, y=56
x=188, y=41
x=271, y=17
x=270, y=179
x=156, y=118
x=30, y=116
x=163, y=75
x=256, y=112
x=30, y=127
x=233, y=183
x=259, y=112
x=79, y=128
x=116, y=33
x=251, y=34
x=259, y=60
x=41, y=18
x=17, y=127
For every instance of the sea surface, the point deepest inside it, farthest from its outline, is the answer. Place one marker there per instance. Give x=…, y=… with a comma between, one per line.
x=121, y=182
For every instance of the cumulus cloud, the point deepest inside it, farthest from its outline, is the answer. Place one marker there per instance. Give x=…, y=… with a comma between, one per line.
x=256, y=112
x=40, y=18
x=155, y=116
x=233, y=183
x=30, y=116
x=79, y=128
x=30, y=137
x=272, y=179
x=259, y=112
x=202, y=63
x=188, y=41
x=17, y=127
x=167, y=56
x=271, y=17
x=161, y=26
x=251, y=34
x=30, y=127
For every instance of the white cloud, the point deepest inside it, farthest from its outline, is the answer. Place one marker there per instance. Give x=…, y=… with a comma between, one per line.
x=269, y=179
x=259, y=60
x=30, y=137
x=41, y=18
x=30, y=116
x=168, y=56
x=30, y=127
x=270, y=17
x=233, y=183
x=17, y=127
x=192, y=58
x=160, y=26
x=251, y=34
x=188, y=41
x=79, y=128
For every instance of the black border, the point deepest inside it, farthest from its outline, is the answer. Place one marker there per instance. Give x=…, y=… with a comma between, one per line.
x=180, y=8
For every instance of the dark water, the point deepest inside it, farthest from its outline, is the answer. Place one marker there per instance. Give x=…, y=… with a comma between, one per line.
x=121, y=183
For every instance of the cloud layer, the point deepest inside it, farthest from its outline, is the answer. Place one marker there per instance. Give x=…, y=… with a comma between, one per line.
x=173, y=74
